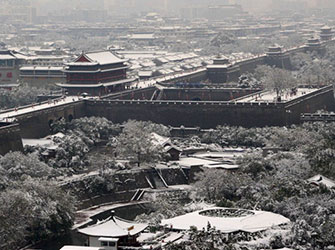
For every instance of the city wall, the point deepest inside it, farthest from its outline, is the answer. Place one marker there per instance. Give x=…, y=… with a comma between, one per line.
x=10, y=138
x=190, y=113
x=133, y=94
x=323, y=99
x=249, y=65
x=222, y=75
x=205, y=108
x=37, y=124
x=209, y=114
x=199, y=75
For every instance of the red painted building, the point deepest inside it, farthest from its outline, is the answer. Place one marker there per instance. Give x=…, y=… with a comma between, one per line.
x=96, y=73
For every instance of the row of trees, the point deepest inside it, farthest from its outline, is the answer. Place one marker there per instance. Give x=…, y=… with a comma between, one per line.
x=32, y=207
x=275, y=183
x=132, y=141
x=19, y=96
x=314, y=140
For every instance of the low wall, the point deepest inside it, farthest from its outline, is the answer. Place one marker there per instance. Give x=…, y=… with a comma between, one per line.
x=125, y=185
x=190, y=113
x=10, y=138
x=37, y=124
x=312, y=102
x=209, y=114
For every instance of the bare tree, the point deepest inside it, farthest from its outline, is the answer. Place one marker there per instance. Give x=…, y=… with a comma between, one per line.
x=275, y=79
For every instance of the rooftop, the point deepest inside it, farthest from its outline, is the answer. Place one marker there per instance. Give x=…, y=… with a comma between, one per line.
x=100, y=57
x=227, y=220
x=79, y=248
x=113, y=227
x=319, y=179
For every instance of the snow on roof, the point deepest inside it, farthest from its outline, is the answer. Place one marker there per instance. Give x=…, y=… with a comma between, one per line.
x=6, y=57
x=103, y=57
x=162, y=60
x=113, y=227
x=82, y=63
x=43, y=142
x=159, y=140
x=319, y=179
x=79, y=248
x=145, y=73
x=192, y=162
x=59, y=68
x=208, y=163
x=19, y=55
x=108, y=239
x=142, y=36
x=65, y=85
x=227, y=220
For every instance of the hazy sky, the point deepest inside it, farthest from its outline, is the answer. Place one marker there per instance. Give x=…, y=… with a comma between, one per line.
x=49, y=6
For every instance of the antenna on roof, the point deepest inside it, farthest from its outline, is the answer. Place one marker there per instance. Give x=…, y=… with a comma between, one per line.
x=113, y=215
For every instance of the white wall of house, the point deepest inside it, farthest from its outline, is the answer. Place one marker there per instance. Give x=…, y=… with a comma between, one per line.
x=94, y=242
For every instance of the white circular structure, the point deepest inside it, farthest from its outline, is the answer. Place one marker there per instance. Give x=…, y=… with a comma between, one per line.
x=227, y=220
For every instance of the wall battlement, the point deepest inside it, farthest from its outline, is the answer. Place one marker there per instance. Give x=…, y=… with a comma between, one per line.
x=209, y=114
x=204, y=108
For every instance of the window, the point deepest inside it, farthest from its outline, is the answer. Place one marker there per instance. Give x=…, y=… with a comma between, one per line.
x=10, y=63
x=112, y=244
x=9, y=75
x=104, y=243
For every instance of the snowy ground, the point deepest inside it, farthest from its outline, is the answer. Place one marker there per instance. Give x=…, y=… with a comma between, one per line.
x=270, y=96
x=225, y=159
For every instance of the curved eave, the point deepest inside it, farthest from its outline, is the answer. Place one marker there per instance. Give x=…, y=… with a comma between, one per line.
x=64, y=85
x=95, y=71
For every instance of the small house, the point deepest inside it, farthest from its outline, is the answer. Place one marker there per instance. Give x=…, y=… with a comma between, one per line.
x=112, y=233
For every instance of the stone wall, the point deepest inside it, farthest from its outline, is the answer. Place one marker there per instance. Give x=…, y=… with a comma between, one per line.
x=133, y=94
x=249, y=65
x=190, y=113
x=322, y=99
x=10, y=138
x=209, y=114
x=199, y=75
x=37, y=124
x=125, y=185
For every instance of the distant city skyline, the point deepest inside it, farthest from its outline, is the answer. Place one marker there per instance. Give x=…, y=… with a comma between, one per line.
x=47, y=7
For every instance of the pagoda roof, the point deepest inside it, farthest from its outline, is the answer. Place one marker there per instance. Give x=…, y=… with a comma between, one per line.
x=99, y=57
x=326, y=27
x=114, y=227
